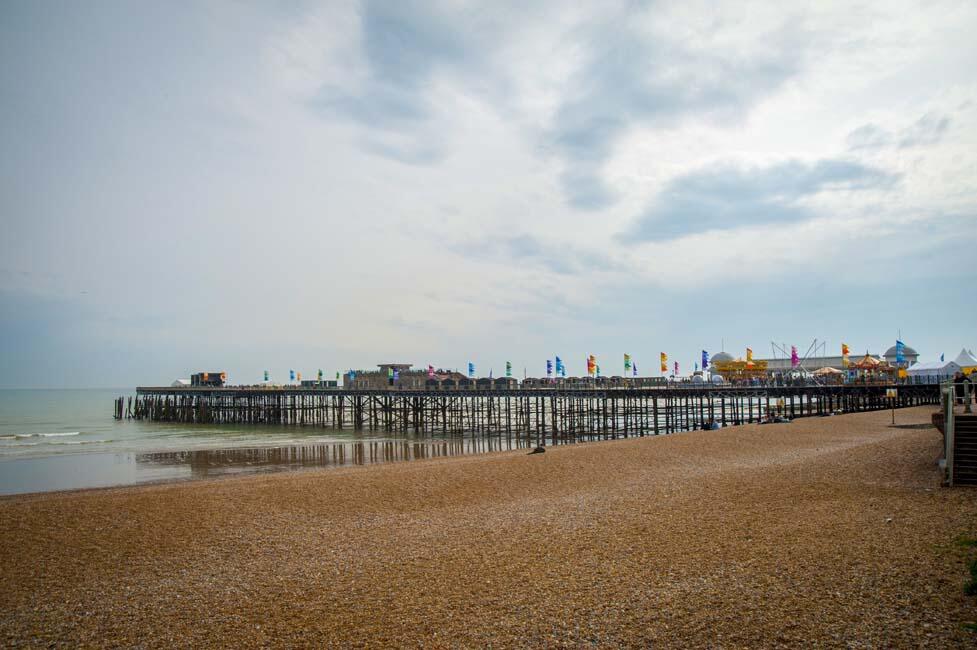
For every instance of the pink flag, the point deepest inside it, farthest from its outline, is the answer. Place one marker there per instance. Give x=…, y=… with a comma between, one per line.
x=676, y=367
x=430, y=372
x=794, y=359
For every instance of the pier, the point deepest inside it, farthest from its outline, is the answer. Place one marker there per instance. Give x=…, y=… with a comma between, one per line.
x=543, y=414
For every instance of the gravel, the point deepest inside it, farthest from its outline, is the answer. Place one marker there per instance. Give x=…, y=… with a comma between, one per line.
x=828, y=532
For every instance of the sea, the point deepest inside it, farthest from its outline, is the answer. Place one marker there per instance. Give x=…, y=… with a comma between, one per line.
x=68, y=439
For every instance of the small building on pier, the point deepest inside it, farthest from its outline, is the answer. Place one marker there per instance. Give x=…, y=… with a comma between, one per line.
x=319, y=383
x=215, y=379
x=396, y=375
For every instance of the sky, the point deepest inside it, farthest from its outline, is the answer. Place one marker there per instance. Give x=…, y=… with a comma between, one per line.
x=250, y=186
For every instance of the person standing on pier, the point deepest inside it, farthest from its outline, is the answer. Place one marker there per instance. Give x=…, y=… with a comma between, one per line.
x=960, y=382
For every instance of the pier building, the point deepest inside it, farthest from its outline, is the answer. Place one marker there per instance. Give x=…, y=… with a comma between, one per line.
x=782, y=365
x=396, y=375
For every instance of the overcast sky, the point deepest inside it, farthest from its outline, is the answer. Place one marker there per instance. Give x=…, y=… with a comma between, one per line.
x=249, y=186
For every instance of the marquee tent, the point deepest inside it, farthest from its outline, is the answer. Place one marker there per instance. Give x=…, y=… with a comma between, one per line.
x=966, y=361
x=934, y=369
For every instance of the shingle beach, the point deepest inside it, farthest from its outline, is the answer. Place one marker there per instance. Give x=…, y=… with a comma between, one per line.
x=827, y=532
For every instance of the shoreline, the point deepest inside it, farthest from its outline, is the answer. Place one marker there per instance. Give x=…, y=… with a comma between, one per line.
x=140, y=462
x=753, y=535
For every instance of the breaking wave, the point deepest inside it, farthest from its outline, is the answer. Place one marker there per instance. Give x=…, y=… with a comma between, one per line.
x=20, y=436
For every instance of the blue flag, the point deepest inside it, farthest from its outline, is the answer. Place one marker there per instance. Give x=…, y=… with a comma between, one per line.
x=705, y=359
x=900, y=351
x=634, y=369
x=941, y=356
x=471, y=370
x=291, y=375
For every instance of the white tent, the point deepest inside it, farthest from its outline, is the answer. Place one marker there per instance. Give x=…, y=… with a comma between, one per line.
x=966, y=359
x=934, y=369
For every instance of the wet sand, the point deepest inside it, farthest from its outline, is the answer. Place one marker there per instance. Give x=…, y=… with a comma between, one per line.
x=829, y=531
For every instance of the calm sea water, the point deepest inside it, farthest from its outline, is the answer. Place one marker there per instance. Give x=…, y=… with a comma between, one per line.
x=66, y=439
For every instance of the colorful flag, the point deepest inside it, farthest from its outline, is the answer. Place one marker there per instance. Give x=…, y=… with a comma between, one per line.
x=676, y=368
x=471, y=370
x=337, y=376
x=266, y=375
x=591, y=365
x=941, y=358
x=320, y=374
x=352, y=374
x=291, y=375
x=299, y=376
x=794, y=359
x=705, y=359
x=597, y=366
x=749, y=355
x=508, y=368
x=561, y=370
x=430, y=372
x=844, y=354
x=664, y=358
x=549, y=368
x=390, y=372
x=627, y=363
x=634, y=370
x=396, y=375
x=900, y=351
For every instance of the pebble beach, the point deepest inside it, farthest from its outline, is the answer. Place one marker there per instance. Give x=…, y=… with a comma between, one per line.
x=830, y=532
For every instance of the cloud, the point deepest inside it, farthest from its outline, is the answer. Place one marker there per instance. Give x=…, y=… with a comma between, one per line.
x=658, y=80
x=722, y=197
x=927, y=130
x=525, y=249
x=869, y=136
x=403, y=51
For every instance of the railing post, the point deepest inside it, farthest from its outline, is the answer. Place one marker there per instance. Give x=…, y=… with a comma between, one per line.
x=948, y=429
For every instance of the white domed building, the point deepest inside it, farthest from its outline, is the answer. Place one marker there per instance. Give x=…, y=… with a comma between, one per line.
x=721, y=357
x=910, y=356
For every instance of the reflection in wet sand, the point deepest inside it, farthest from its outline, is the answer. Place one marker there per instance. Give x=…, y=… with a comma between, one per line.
x=215, y=462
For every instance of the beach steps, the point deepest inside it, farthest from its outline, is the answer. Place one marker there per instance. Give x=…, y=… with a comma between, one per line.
x=965, y=450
